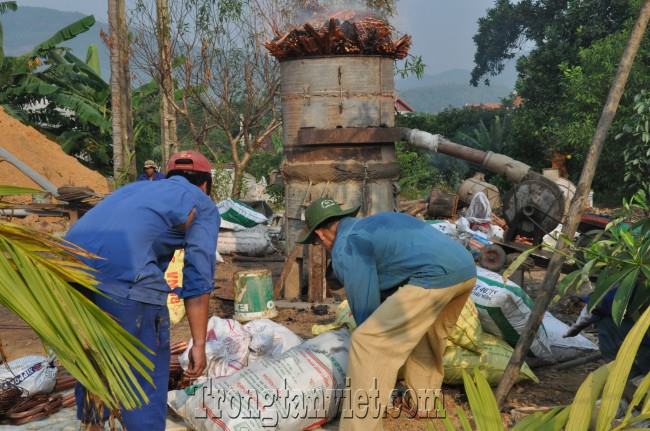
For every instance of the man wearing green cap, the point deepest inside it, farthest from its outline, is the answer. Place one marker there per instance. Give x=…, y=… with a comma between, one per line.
x=406, y=284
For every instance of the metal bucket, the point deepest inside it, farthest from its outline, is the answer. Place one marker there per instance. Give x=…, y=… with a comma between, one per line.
x=254, y=295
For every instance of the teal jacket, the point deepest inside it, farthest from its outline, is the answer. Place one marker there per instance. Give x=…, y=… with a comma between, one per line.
x=386, y=250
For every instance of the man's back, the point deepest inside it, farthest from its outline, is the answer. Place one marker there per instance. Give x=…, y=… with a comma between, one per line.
x=403, y=249
x=135, y=230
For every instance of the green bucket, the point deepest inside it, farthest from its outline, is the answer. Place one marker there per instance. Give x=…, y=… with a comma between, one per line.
x=254, y=295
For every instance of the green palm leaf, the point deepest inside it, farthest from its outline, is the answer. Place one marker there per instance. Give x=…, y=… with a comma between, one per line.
x=35, y=274
x=15, y=191
x=585, y=399
x=485, y=409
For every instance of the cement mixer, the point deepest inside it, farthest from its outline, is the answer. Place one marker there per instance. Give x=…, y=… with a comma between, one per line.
x=535, y=204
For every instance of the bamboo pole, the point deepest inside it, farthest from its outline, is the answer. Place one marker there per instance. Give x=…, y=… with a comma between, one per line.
x=577, y=205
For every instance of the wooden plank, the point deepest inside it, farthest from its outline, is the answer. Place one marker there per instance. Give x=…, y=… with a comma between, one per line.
x=317, y=264
x=293, y=281
x=338, y=152
x=349, y=135
x=292, y=260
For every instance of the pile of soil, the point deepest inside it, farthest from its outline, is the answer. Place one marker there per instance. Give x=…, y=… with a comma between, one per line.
x=44, y=156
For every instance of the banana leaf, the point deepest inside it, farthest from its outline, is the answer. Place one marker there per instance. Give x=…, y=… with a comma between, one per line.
x=66, y=33
x=97, y=82
x=92, y=58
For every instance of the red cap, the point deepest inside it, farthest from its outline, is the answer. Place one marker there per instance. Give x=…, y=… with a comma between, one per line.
x=189, y=161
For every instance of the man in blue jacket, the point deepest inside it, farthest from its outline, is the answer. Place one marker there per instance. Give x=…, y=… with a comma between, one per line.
x=406, y=284
x=151, y=172
x=135, y=232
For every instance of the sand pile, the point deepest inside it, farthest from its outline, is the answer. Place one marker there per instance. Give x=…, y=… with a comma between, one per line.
x=44, y=156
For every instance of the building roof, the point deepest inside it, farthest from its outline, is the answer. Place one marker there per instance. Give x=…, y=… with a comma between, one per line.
x=401, y=107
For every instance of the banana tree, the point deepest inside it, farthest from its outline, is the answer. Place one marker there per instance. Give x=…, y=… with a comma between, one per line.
x=66, y=98
x=36, y=272
x=50, y=88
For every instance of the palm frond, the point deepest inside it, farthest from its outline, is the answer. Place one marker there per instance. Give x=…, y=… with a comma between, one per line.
x=16, y=191
x=36, y=270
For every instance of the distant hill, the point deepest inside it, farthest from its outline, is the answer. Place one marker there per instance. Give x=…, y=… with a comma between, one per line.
x=29, y=26
x=434, y=93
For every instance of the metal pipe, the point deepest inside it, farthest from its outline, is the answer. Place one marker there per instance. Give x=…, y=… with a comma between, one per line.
x=513, y=170
x=36, y=177
x=14, y=212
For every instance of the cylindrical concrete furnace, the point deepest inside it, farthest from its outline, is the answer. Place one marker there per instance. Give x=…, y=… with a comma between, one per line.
x=349, y=93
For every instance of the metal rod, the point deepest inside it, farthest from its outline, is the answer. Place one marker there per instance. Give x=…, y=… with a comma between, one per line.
x=577, y=205
x=32, y=174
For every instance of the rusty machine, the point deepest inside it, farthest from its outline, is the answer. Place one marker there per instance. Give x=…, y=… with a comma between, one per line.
x=338, y=93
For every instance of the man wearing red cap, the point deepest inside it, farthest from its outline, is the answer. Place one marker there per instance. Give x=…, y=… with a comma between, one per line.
x=135, y=232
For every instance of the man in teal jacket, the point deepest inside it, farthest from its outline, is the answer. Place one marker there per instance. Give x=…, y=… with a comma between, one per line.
x=424, y=279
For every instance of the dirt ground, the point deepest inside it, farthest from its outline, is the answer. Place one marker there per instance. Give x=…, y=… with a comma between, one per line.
x=556, y=387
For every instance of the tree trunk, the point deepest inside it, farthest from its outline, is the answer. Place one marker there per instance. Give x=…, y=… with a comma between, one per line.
x=237, y=180
x=124, y=168
x=168, y=138
x=577, y=205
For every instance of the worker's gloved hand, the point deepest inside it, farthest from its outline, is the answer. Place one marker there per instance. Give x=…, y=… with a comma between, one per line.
x=197, y=362
x=585, y=319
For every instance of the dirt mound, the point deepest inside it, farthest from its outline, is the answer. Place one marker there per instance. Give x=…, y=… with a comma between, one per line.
x=44, y=156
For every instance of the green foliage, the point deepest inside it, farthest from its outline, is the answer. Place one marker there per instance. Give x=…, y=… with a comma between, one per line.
x=487, y=139
x=620, y=260
x=73, y=100
x=417, y=173
x=413, y=65
x=92, y=59
x=637, y=153
x=564, y=78
x=263, y=162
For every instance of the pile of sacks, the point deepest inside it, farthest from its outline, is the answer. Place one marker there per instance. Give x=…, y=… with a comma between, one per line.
x=231, y=346
x=261, y=376
x=244, y=230
x=489, y=327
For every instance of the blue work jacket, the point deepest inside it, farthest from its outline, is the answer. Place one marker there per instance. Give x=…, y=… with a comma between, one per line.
x=134, y=232
x=156, y=177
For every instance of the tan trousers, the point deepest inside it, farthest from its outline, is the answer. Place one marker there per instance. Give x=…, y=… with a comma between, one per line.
x=407, y=332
